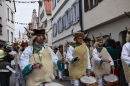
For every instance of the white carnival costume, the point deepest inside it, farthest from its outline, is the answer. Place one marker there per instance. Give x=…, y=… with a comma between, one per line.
x=76, y=70
x=37, y=53
x=99, y=67
x=125, y=57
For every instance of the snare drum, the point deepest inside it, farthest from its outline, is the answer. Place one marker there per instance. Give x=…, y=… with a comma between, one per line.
x=53, y=84
x=88, y=81
x=110, y=80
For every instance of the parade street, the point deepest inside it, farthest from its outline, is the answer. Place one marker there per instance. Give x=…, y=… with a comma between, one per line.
x=64, y=42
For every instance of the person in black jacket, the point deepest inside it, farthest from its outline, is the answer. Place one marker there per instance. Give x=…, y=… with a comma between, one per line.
x=4, y=72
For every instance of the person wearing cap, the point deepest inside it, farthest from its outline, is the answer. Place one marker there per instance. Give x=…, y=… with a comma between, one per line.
x=101, y=60
x=61, y=66
x=55, y=49
x=79, y=58
x=4, y=72
x=36, y=61
x=125, y=57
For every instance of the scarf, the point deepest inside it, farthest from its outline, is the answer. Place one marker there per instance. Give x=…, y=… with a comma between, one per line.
x=99, y=49
x=37, y=47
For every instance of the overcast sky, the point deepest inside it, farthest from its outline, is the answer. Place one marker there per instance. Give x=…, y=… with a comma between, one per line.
x=24, y=14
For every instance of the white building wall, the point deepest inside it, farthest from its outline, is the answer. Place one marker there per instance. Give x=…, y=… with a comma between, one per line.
x=3, y=36
x=48, y=17
x=104, y=11
x=60, y=10
x=107, y=17
x=10, y=25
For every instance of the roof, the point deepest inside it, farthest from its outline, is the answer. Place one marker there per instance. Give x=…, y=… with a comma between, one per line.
x=48, y=7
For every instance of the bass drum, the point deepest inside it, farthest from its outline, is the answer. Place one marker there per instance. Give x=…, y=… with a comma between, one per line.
x=53, y=84
x=110, y=80
x=88, y=81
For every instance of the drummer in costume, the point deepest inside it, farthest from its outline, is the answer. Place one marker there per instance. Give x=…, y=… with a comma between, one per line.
x=101, y=60
x=125, y=57
x=36, y=61
x=78, y=56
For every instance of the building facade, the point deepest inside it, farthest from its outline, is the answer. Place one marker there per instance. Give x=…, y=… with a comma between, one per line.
x=10, y=15
x=65, y=17
x=106, y=16
x=45, y=15
x=3, y=27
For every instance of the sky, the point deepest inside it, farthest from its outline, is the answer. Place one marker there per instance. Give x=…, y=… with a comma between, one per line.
x=24, y=14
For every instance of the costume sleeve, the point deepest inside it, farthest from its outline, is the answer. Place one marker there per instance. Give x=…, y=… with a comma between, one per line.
x=110, y=58
x=70, y=58
x=88, y=57
x=125, y=55
x=96, y=57
x=24, y=64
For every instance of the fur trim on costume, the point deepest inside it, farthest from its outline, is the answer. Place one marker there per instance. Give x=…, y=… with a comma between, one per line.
x=45, y=73
x=104, y=68
x=78, y=68
x=126, y=71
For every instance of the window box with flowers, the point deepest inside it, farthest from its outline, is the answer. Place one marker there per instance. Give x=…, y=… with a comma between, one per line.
x=1, y=29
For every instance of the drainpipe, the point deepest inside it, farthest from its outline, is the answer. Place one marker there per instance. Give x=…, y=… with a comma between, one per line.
x=80, y=13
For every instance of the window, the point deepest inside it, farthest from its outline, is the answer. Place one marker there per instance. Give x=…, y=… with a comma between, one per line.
x=59, y=25
x=12, y=16
x=89, y=4
x=42, y=15
x=53, y=4
x=8, y=35
x=67, y=23
x=11, y=36
x=54, y=30
x=8, y=12
x=77, y=10
x=63, y=22
x=74, y=12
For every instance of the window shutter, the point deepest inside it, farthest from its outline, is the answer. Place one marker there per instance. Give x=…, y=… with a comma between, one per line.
x=52, y=4
x=64, y=21
x=71, y=16
x=53, y=31
x=68, y=16
x=99, y=0
x=58, y=26
x=86, y=7
x=77, y=10
x=55, y=2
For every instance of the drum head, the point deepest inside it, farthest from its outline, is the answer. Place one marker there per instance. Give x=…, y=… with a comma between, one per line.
x=110, y=78
x=53, y=84
x=86, y=79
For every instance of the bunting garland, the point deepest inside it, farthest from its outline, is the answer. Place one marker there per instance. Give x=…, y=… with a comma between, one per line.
x=42, y=22
x=25, y=1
